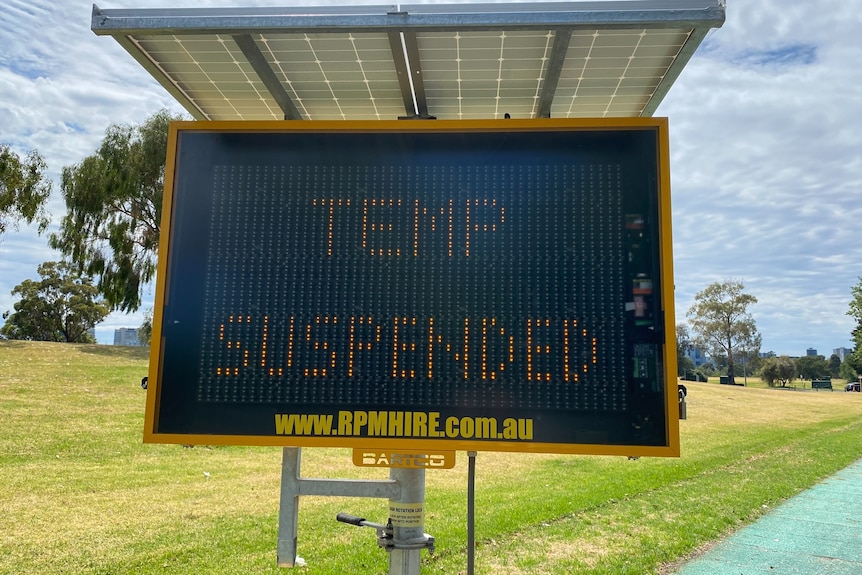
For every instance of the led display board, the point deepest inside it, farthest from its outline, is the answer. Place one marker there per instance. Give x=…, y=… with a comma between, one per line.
x=409, y=285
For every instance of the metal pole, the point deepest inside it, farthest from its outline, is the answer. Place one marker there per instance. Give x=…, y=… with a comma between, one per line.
x=407, y=514
x=471, y=511
x=288, y=515
x=293, y=485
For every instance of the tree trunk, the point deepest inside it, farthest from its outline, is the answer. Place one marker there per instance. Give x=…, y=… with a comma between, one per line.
x=730, y=378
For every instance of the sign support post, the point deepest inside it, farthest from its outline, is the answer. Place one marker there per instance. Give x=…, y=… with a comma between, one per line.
x=407, y=514
x=288, y=515
x=405, y=490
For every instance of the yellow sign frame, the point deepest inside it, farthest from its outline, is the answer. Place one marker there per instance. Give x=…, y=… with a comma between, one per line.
x=429, y=444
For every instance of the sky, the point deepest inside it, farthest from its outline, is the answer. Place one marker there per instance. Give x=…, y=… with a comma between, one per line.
x=765, y=136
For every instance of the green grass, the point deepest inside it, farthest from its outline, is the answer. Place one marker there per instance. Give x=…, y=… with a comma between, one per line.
x=795, y=385
x=82, y=494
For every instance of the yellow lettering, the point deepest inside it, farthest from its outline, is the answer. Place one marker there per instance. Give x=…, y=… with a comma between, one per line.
x=486, y=427
x=434, y=424
x=510, y=428
x=281, y=420
x=525, y=429
x=303, y=424
x=360, y=418
x=420, y=424
x=396, y=424
x=376, y=423
x=466, y=427
x=345, y=419
x=451, y=427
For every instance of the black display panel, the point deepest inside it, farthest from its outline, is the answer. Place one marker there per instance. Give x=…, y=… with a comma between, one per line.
x=495, y=289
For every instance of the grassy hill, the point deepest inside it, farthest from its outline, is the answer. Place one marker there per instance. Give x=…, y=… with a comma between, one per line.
x=81, y=493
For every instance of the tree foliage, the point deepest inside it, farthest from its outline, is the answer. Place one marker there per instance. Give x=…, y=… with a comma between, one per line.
x=62, y=306
x=114, y=204
x=683, y=346
x=812, y=367
x=145, y=332
x=721, y=322
x=685, y=367
x=854, y=360
x=778, y=370
x=855, y=310
x=834, y=366
x=23, y=189
x=848, y=371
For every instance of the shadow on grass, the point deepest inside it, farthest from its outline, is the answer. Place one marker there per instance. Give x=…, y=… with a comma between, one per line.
x=126, y=352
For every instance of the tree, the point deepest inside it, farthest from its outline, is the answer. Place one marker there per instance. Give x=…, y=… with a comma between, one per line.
x=812, y=367
x=781, y=369
x=848, y=371
x=722, y=325
x=835, y=366
x=62, y=306
x=114, y=208
x=145, y=332
x=855, y=310
x=749, y=356
x=23, y=189
x=854, y=360
x=683, y=347
x=685, y=366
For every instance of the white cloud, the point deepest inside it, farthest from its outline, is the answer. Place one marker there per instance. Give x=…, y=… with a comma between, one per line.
x=765, y=141
x=766, y=178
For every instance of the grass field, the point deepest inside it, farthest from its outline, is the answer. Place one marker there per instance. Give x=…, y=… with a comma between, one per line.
x=81, y=493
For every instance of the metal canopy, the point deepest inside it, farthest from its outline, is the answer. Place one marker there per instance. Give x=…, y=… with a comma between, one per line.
x=479, y=61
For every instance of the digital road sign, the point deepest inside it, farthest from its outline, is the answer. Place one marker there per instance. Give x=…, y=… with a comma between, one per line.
x=410, y=285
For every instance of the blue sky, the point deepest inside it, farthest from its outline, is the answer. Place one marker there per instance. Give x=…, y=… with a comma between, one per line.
x=766, y=149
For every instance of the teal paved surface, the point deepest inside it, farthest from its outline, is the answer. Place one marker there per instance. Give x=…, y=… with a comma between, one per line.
x=818, y=532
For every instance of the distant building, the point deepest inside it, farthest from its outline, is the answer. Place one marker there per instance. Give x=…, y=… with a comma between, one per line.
x=841, y=352
x=127, y=336
x=811, y=351
x=765, y=354
x=697, y=356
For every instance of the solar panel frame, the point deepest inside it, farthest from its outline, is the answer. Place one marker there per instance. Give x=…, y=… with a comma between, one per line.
x=477, y=61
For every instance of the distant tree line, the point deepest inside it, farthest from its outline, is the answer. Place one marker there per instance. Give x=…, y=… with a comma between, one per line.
x=109, y=241
x=61, y=306
x=720, y=325
x=108, y=238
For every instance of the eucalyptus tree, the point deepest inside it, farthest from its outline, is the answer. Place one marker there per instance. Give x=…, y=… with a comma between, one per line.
x=854, y=360
x=114, y=209
x=61, y=306
x=721, y=323
x=24, y=189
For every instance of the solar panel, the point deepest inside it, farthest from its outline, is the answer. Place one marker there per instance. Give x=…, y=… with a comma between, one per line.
x=483, y=61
